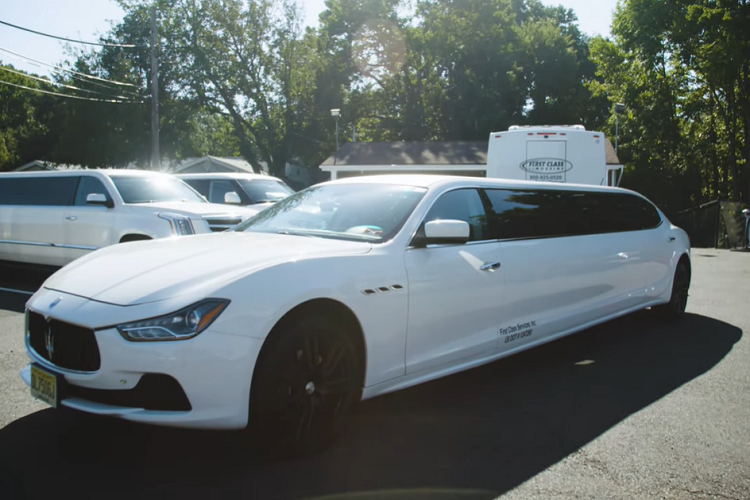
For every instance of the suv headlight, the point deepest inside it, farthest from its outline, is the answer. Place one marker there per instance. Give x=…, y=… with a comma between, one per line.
x=181, y=325
x=180, y=225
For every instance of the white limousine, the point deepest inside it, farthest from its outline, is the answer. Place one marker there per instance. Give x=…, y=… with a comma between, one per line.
x=347, y=290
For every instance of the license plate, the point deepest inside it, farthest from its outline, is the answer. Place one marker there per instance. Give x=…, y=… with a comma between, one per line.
x=44, y=385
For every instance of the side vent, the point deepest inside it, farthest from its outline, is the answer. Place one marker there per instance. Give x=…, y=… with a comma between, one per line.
x=382, y=289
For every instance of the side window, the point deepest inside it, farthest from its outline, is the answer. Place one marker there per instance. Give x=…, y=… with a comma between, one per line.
x=465, y=205
x=219, y=189
x=644, y=213
x=199, y=185
x=44, y=191
x=626, y=212
x=89, y=185
x=529, y=213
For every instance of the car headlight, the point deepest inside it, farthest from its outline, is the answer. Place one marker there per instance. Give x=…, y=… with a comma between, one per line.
x=180, y=225
x=181, y=325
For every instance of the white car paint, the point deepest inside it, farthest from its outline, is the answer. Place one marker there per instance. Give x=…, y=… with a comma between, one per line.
x=424, y=312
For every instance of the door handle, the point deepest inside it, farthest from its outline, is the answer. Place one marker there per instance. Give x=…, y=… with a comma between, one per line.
x=71, y=217
x=489, y=266
x=670, y=239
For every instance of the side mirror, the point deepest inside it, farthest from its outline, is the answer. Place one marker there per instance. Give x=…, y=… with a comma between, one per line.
x=98, y=199
x=232, y=198
x=441, y=232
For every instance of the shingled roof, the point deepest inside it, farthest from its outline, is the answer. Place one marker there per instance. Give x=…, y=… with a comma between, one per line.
x=410, y=153
x=357, y=154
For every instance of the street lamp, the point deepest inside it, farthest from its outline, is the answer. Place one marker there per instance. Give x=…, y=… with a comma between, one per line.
x=336, y=113
x=619, y=109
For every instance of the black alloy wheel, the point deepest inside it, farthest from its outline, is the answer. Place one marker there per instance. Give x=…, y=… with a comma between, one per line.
x=305, y=386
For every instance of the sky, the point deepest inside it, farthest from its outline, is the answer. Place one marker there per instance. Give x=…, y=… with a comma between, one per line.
x=87, y=19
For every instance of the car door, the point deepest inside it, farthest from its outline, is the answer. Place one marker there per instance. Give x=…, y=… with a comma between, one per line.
x=87, y=226
x=454, y=290
x=32, y=206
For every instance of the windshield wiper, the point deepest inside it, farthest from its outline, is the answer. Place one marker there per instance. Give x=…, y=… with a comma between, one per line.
x=295, y=233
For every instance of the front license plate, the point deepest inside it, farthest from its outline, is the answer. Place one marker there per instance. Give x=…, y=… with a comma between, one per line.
x=44, y=385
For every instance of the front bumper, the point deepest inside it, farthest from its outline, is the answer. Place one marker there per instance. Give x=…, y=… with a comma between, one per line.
x=213, y=369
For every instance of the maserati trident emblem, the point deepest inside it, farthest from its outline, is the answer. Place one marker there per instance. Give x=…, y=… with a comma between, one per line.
x=49, y=341
x=55, y=302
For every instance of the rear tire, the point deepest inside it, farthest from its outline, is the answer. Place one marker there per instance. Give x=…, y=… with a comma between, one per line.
x=675, y=309
x=305, y=385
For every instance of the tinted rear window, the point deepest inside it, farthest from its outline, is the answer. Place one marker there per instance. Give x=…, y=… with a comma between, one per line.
x=548, y=213
x=45, y=191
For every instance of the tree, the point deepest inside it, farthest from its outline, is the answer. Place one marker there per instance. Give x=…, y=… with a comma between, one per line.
x=25, y=119
x=682, y=68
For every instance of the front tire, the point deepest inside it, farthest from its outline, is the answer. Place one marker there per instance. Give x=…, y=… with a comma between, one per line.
x=306, y=383
x=675, y=309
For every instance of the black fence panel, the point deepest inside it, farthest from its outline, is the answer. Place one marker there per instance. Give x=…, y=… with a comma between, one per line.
x=717, y=224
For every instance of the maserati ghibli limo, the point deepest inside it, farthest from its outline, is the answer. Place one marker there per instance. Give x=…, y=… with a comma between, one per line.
x=344, y=291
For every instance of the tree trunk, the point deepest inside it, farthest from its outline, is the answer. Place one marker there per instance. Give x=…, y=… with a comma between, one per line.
x=731, y=125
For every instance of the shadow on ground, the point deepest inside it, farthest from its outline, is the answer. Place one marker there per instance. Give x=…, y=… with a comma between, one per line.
x=471, y=436
x=20, y=277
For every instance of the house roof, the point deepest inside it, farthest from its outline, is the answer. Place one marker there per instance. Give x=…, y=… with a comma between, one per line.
x=358, y=154
x=236, y=163
x=38, y=165
x=410, y=153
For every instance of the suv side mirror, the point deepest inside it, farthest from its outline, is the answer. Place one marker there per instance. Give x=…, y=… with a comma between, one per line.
x=98, y=199
x=232, y=198
x=441, y=232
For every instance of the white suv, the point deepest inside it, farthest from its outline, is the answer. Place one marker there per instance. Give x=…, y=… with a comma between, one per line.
x=238, y=188
x=52, y=218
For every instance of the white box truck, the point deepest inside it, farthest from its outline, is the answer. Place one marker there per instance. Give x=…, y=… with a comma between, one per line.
x=562, y=153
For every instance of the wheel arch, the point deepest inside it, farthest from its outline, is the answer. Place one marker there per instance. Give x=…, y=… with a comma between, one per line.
x=685, y=260
x=134, y=237
x=329, y=309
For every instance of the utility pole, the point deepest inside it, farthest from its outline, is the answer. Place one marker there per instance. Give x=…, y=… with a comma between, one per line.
x=155, y=159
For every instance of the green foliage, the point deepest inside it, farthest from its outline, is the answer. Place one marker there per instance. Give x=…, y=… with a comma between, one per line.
x=243, y=77
x=682, y=69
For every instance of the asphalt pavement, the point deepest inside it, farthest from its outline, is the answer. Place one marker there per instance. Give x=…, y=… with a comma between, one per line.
x=635, y=408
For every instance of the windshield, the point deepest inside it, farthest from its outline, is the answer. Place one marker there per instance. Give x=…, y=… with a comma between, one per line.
x=153, y=189
x=368, y=212
x=265, y=191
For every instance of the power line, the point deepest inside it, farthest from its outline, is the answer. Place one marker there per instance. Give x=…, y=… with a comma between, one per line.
x=69, y=96
x=84, y=75
x=62, y=72
x=63, y=85
x=124, y=46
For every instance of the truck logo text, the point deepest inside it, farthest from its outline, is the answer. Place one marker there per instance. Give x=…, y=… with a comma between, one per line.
x=546, y=166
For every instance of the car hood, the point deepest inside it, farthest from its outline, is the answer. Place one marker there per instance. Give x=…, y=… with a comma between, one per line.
x=141, y=272
x=189, y=208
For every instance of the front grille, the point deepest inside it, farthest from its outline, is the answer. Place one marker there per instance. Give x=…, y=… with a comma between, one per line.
x=154, y=391
x=62, y=344
x=218, y=224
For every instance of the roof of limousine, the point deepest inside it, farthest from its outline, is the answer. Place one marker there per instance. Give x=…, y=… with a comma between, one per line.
x=432, y=181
